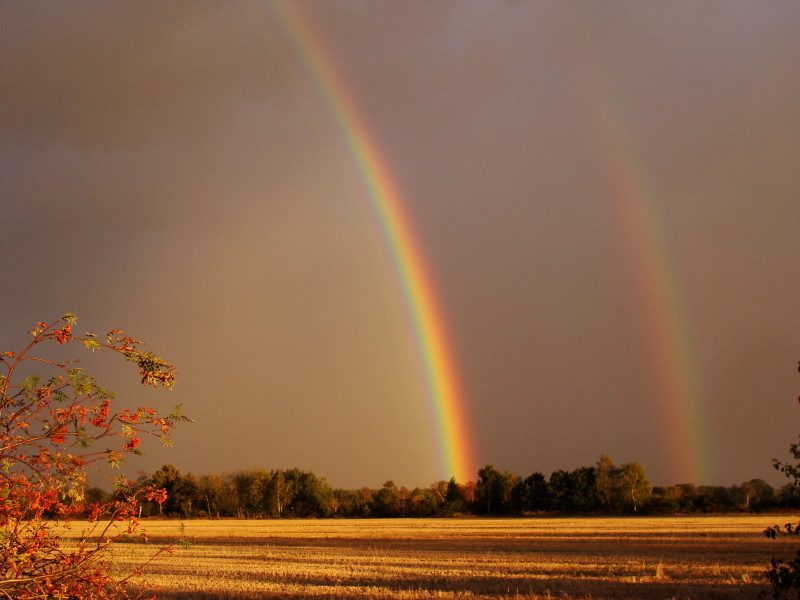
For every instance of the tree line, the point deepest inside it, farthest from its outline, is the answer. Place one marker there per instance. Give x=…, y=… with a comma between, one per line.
x=603, y=488
x=48, y=424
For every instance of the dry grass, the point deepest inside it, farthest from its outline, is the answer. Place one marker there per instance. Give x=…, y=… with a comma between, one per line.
x=586, y=558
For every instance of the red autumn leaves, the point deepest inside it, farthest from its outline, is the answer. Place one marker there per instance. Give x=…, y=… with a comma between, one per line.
x=48, y=426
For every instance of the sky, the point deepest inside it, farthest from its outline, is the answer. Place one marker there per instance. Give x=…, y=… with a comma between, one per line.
x=603, y=198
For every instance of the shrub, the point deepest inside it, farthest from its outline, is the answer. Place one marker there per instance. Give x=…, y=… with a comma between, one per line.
x=49, y=428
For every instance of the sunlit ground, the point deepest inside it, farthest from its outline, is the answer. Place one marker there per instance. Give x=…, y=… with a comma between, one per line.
x=666, y=557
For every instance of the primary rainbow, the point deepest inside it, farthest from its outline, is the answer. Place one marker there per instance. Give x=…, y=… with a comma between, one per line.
x=455, y=442
x=663, y=310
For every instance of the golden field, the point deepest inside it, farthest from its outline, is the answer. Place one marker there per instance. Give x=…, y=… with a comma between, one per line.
x=531, y=558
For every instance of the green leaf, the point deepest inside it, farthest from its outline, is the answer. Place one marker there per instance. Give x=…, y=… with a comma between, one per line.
x=114, y=458
x=177, y=415
x=103, y=393
x=91, y=345
x=80, y=380
x=69, y=318
x=30, y=382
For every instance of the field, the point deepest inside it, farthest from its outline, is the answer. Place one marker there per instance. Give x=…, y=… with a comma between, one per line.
x=587, y=558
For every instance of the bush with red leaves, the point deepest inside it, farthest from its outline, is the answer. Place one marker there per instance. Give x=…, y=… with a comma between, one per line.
x=49, y=427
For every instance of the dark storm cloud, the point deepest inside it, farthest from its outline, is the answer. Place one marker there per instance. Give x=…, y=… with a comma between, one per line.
x=120, y=74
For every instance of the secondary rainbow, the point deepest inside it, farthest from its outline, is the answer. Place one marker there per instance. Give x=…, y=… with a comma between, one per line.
x=666, y=320
x=663, y=308
x=386, y=199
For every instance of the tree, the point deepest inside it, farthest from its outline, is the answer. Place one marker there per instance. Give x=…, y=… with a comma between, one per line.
x=584, y=495
x=311, y=495
x=532, y=494
x=754, y=494
x=352, y=503
x=169, y=479
x=97, y=495
x=570, y=490
x=389, y=501
x=48, y=423
x=677, y=497
x=212, y=491
x=604, y=484
x=713, y=498
x=248, y=491
x=439, y=491
x=455, y=501
x=278, y=492
x=632, y=484
x=787, y=497
x=422, y=503
x=494, y=490
x=560, y=488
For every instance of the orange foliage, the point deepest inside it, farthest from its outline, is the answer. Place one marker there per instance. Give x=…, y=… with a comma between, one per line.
x=47, y=428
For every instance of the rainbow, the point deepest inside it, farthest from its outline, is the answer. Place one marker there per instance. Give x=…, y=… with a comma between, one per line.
x=663, y=310
x=666, y=320
x=386, y=199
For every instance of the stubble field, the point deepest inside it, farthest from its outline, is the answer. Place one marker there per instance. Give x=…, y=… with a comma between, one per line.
x=586, y=558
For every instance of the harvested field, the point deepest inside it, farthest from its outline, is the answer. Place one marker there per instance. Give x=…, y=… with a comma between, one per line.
x=587, y=558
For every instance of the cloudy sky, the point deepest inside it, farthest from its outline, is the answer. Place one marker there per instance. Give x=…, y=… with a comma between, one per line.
x=606, y=196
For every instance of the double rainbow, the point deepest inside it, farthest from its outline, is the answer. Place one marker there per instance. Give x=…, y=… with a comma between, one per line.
x=637, y=203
